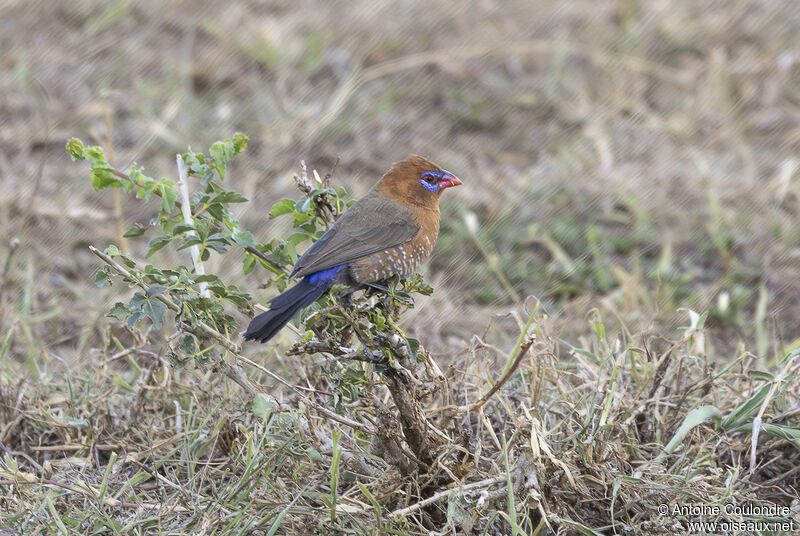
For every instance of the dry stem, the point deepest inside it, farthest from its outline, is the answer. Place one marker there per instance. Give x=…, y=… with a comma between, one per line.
x=186, y=210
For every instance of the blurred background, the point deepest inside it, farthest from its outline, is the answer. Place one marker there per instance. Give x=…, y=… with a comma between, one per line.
x=630, y=157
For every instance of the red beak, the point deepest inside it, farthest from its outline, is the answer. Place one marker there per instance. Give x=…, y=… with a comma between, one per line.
x=448, y=180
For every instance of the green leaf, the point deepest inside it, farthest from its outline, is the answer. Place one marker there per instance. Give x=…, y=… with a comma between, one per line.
x=113, y=251
x=694, y=418
x=193, y=161
x=232, y=294
x=228, y=197
x=155, y=311
x=239, y=142
x=314, y=455
x=744, y=411
x=187, y=344
x=222, y=151
x=290, y=250
x=169, y=194
x=76, y=150
x=155, y=290
x=260, y=407
x=157, y=243
x=102, y=176
x=321, y=191
x=792, y=435
x=302, y=205
x=136, y=230
x=208, y=177
x=298, y=238
x=101, y=278
x=413, y=348
x=248, y=263
x=220, y=245
x=217, y=210
x=759, y=375
x=380, y=321
x=203, y=228
x=182, y=228
x=137, y=178
x=207, y=278
x=119, y=380
x=120, y=311
x=189, y=241
x=135, y=317
x=243, y=238
x=127, y=261
x=284, y=206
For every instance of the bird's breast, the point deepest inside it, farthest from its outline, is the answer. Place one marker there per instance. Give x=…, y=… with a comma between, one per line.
x=402, y=260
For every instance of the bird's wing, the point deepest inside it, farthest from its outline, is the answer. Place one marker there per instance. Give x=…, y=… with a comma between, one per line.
x=372, y=224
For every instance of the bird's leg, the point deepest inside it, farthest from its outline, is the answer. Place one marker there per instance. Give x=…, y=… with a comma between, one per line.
x=387, y=293
x=378, y=286
x=346, y=300
x=346, y=333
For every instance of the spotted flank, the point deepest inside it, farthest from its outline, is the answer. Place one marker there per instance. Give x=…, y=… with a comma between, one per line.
x=402, y=260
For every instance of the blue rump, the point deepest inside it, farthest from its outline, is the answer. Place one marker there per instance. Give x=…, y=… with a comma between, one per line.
x=323, y=276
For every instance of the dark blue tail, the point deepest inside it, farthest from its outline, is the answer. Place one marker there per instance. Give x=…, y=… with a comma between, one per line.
x=284, y=306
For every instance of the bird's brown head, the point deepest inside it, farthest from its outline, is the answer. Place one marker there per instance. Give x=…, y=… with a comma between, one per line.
x=416, y=180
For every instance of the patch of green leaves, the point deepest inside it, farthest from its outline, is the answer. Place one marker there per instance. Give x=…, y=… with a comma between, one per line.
x=103, y=175
x=140, y=306
x=214, y=229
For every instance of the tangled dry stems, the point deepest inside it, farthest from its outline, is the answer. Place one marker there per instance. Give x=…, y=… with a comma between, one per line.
x=584, y=443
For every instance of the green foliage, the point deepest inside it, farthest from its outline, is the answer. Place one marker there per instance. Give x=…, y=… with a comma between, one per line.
x=214, y=230
x=371, y=318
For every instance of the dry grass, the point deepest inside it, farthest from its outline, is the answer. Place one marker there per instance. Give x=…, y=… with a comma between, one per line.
x=580, y=435
x=622, y=161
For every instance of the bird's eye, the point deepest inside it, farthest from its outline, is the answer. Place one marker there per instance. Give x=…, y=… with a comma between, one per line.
x=430, y=180
x=431, y=176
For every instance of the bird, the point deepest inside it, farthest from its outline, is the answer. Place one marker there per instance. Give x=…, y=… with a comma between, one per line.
x=390, y=231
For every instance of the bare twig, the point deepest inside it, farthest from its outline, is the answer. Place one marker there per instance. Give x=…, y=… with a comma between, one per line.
x=442, y=494
x=509, y=372
x=186, y=210
x=326, y=182
x=325, y=411
x=205, y=328
x=324, y=208
x=524, y=342
x=234, y=372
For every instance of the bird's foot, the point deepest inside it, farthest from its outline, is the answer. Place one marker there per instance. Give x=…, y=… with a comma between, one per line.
x=378, y=286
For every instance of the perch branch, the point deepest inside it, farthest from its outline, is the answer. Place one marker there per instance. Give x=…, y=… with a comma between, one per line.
x=234, y=372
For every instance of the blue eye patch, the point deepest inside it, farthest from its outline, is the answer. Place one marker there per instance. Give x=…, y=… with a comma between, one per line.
x=430, y=187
